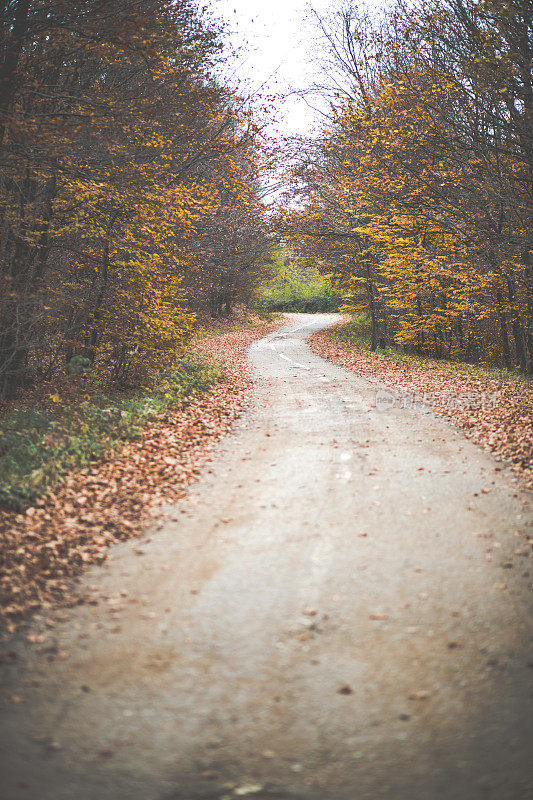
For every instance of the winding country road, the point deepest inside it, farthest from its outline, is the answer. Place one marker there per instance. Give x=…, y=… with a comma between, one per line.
x=336, y=611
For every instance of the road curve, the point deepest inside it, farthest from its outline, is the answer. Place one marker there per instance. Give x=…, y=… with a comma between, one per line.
x=337, y=610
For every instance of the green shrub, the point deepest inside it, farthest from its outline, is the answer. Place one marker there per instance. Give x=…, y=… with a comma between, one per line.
x=298, y=289
x=309, y=305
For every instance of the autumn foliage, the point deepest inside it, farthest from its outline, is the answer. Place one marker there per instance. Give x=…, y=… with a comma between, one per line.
x=418, y=194
x=128, y=186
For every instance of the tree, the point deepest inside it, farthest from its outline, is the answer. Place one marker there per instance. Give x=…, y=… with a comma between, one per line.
x=419, y=190
x=116, y=139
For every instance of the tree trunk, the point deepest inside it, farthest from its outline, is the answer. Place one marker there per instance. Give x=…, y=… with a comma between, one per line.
x=10, y=62
x=506, y=350
x=518, y=333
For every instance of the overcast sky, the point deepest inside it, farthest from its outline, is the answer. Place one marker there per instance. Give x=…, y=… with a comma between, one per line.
x=278, y=52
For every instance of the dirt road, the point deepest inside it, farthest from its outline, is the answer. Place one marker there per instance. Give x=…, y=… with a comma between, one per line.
x=337, y=611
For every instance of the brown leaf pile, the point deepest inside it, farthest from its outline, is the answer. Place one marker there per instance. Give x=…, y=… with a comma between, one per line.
x=496, y=414
x=41, y=549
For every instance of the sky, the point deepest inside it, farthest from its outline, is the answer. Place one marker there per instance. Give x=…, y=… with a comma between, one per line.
x=278, y=56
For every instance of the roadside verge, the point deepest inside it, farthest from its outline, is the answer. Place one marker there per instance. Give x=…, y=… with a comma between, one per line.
x=44, y=547
x=495, y=412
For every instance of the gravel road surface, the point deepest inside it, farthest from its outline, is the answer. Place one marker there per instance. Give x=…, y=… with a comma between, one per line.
x=339, y=609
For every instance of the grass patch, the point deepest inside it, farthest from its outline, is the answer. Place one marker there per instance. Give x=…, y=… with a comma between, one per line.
x=37, y=447
x=356, y=335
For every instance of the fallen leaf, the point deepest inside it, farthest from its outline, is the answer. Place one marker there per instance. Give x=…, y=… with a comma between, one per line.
x=36, y=638
x=8, y=658
x=420, y=695
x=346, y=689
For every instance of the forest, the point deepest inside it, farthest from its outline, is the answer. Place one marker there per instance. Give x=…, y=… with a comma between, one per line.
x=132, y=182
x=130, y=187
x=417, y=195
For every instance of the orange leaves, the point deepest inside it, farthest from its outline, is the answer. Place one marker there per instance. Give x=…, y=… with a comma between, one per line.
x=127, y=163
x=407, y=207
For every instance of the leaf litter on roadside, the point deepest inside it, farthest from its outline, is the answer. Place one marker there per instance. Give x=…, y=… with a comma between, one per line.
x=74, y=525
x=496, y=414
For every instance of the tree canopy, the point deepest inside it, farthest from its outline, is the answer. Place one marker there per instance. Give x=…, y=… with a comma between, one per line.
x=417, y=194
x=129, y=184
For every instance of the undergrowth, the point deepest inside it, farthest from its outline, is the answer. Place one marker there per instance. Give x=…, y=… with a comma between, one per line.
x=314, y=297
x=37, y=447
x=297, y=286
x=356, y=334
